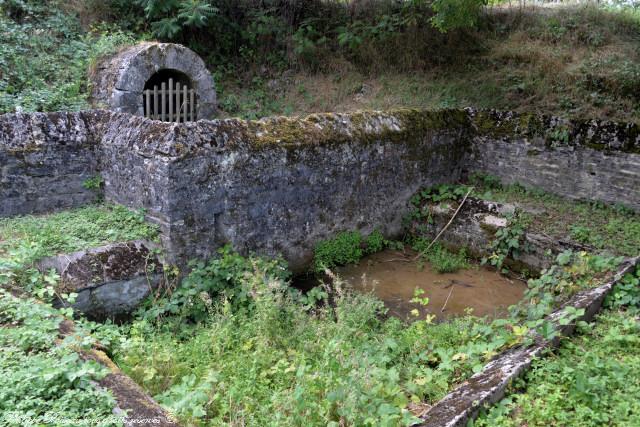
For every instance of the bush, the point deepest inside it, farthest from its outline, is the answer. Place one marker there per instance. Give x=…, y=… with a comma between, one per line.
x=454, y=14
x=344, y=249
x=45, y=56
x=225, y=278
x=375, y=242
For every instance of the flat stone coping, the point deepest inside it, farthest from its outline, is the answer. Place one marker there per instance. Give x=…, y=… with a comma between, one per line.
x=489, y=385
x=133, y=404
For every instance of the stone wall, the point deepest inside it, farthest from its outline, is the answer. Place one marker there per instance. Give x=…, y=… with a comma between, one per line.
x=475, y=228
x=118, y=81
x=588, y=159
x=281, y=184
x=44, y=161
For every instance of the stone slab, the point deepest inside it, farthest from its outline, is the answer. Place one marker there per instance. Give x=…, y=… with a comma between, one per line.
x=489, y=385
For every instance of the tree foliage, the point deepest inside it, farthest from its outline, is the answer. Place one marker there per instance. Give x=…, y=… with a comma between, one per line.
x=453, y=14
x=169, y=17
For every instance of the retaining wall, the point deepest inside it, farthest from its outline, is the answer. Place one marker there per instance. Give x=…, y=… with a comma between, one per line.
x=278, y=185
x=44, y=161
x=577, y=159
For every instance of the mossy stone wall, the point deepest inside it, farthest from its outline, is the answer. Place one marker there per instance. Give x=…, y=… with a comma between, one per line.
x=578, y=159
x=278, y=185
x=45, y=158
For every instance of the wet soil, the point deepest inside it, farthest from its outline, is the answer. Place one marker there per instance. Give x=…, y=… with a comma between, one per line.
x=392, y=279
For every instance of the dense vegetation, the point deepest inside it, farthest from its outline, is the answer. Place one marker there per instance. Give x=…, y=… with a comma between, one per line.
x=43, y=381
x=286, y=57
x=45, y=56
x=73, y=230
x=261, y=353
x=235, y=344
x=590, y=380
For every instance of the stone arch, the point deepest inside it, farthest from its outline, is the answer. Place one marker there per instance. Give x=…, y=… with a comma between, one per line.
x=118, y=82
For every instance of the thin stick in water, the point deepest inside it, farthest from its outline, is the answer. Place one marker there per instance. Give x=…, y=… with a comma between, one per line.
x=447, y=300
x=446, y=226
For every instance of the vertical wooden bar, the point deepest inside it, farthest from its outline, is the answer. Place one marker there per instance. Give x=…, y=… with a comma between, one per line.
x=185, y=97
x=163, y=100
x=170, y=99
x=155, y=102
x=147, y=101
x=178, y=105
x=192, y=104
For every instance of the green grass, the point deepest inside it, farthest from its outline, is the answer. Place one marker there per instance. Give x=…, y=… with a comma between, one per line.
x=440, y=258
x=284, y=365
x=592, y=380
x=41, y=378
x=329, y=357
x=600, y=226
x=72, y=230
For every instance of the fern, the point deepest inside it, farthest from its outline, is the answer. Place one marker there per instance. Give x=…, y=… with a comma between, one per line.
x=195, y=13
x=169, y=17
x=166, y=28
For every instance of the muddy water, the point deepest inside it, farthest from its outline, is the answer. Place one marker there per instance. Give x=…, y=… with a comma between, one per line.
x=394, y=281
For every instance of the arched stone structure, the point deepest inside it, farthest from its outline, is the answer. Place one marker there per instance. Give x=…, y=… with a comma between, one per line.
x=119, y=81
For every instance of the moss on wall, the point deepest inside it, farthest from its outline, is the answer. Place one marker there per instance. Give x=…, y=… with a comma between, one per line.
x=591, y=133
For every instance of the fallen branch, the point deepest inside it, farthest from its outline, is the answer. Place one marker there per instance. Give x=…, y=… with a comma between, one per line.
x=447, y=300
x=455, y=282
x=397, y=259
x=422, y=253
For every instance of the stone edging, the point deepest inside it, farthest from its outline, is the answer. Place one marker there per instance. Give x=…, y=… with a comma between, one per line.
x=489, y=385
x=140, y=408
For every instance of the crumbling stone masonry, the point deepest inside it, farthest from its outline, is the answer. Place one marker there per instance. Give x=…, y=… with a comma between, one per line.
x=278, y=185
x=119, y=80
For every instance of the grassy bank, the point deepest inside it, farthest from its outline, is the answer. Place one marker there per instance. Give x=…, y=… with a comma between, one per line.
x=27, y=239
x=577, y=61
x=570, y=61
x=38, y=236
x=590, y=380
x=602, y=227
